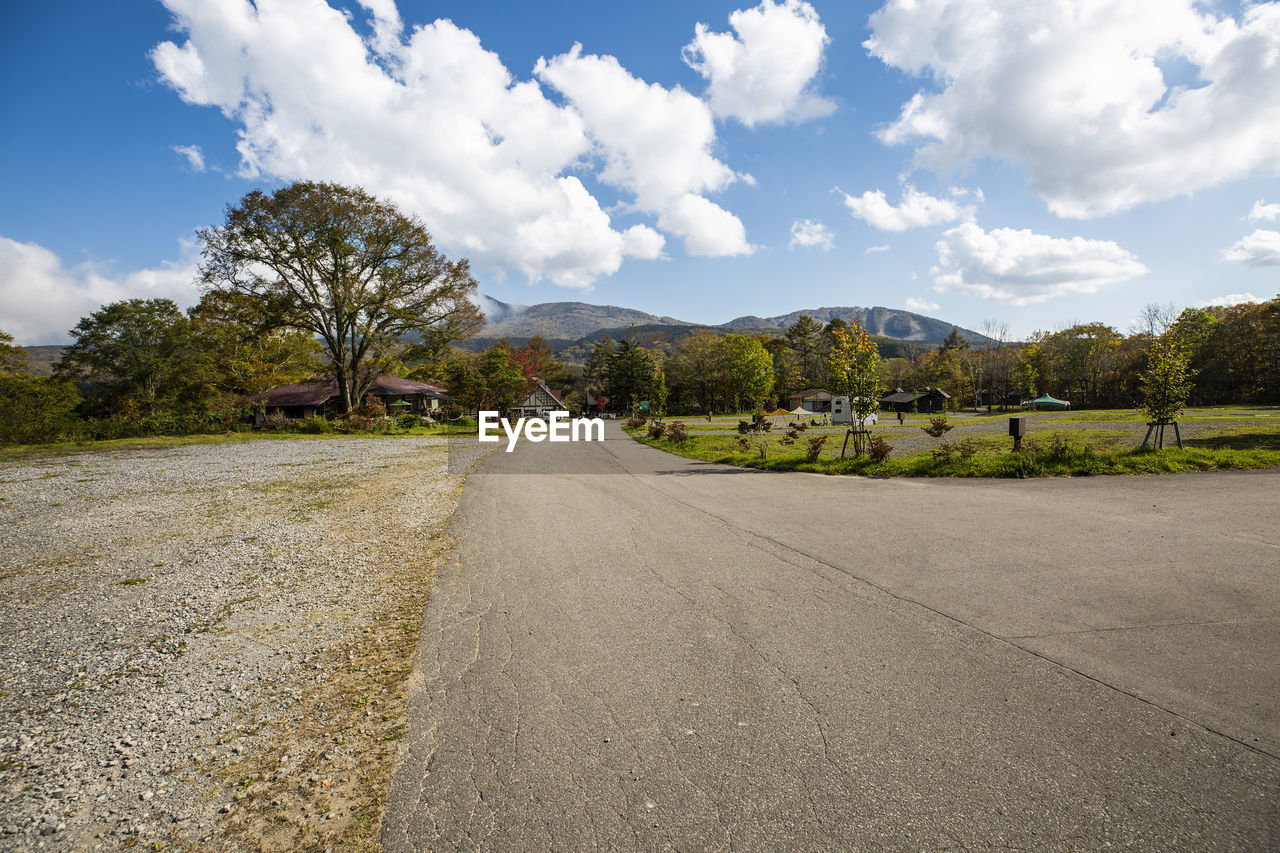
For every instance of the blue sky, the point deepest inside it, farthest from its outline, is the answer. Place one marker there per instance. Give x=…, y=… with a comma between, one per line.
x=969, y=159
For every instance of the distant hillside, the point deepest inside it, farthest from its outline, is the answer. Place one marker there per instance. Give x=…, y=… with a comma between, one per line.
x=40, y=360
x=886, y=322
x=565, y=322
x=560, y=320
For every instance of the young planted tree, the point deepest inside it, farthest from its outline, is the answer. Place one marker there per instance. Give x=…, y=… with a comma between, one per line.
x=1165, y=386
x=337, y=263
x=853, y=365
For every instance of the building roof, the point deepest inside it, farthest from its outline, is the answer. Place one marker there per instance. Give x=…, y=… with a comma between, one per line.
x=540, y=385
x=314, y=392
x=900, y=396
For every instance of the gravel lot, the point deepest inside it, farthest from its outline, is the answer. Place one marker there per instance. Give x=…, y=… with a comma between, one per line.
x=205, y=646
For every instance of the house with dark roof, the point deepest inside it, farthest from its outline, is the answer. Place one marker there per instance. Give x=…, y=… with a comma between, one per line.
x=813, y=399
x=920, y=400
x=539, y=402
x=319, y=397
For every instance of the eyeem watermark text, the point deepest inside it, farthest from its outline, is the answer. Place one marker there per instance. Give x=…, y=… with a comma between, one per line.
x=557, y=427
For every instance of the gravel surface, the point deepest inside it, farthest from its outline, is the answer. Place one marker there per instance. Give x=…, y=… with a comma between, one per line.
x=204, y=646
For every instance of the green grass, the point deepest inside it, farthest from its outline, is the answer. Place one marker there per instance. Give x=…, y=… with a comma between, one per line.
x=64, y=448
x=1053, y=453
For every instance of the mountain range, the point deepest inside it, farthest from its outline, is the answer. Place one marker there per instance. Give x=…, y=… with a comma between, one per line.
x=561, y=322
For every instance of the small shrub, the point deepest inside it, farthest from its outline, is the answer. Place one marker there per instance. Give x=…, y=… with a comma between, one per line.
x=879, y=449
x=948, y=453
x=352, y=422
x=656, y=429
x=637, y=421
x=814, y=450
x=276, y=422
x=408, y=420
x=316, y=426
x=676, y=432
x=938, y=427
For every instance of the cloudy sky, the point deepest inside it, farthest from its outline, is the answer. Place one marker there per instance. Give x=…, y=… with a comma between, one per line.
x=1038, y=162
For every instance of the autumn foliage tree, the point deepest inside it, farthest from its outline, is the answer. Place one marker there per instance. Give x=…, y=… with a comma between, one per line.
x=337, y=263
x=853, y=365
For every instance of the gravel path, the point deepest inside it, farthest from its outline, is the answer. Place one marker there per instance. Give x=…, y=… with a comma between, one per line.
x=204, y=646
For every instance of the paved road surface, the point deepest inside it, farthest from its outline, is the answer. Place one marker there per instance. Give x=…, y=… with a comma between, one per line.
x=639, y=652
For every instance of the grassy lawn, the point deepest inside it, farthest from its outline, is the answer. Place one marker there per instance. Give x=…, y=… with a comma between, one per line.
x=1050, y=452
x=63, y=448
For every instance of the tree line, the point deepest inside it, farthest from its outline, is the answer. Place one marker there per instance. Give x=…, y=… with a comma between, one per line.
x=320, y=279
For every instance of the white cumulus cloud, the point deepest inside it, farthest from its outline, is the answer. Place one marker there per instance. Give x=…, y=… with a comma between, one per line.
x=194, y=156
x=916, y=210
x=763, y=74
x=1259, y=249
x=40, y=299
x=655, y=143
x=1021, y=267
x=1229, y=299
x=1263, y=211
x=1106, y=105
x=811, y=234
x=871, y=250
x=914, y=304
x=436, y=123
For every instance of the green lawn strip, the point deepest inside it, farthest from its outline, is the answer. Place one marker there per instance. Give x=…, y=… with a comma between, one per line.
x=1078, y=453
x=65, y=448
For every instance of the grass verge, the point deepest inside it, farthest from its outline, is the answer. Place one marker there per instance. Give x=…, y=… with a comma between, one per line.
x=66, y=448
x=1055, y=453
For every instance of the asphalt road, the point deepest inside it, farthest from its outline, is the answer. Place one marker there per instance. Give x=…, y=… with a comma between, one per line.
x=636, y=651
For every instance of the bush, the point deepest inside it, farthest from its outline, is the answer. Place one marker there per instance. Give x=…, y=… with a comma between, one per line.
x=879, y=449
x=938, y=427
x=352, y=422
x=676, y=433
x=276, y=422
x=656, y=429
x=948, y=453
x=408, y=420
x=34, y=410
x=315, y=426
x=637, y=421
x=814, y=450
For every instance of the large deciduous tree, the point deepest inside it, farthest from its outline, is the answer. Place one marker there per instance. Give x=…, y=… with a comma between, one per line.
x=337, y=263
x=136, y=355
x=748, y=370
x=13, y=359
x=488, y=381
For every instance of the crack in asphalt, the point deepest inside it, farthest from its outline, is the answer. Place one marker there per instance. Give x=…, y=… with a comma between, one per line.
x=1007, y=641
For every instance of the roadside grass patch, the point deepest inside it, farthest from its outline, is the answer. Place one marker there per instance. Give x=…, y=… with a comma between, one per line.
x=464, y=427
x=1049, y=453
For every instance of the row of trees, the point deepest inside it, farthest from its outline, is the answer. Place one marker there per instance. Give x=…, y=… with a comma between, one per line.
x=313, y=279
